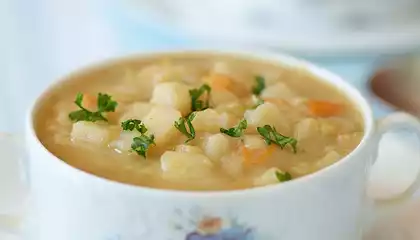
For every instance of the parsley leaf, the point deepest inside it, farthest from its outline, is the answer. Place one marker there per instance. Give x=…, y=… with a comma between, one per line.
x=132, y=124
x=182, y=124
x=270, y=135
x=236, y=131
x=142, y=143
x=283, y=176
x=104, y=104
x=259, y=85
x=196, y=103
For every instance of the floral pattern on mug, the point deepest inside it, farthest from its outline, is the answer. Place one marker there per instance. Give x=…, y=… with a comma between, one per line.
x=195, y=225
x=213, y=228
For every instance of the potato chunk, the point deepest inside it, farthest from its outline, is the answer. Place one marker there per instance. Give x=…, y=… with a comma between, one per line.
x=222, y=97
x=232, y=165
x=216, y=146
x=91, y=132
x=306, y=128
x=267, y=114
x=184, y=166
x=188, y=149
x=254, y=142
x=349, y=141
x=160, y=123
x=234, y=108
x=278, y=90
x=268, y=177
x=211, y=121
x=123, y=143
x=136, y=110
x=330, y=158
x=172, y=94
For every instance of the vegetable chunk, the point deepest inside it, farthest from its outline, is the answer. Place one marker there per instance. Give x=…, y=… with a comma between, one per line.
x=182, y=166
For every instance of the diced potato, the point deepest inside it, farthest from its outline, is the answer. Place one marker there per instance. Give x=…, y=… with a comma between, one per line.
x=123, y=143
x=268, y=177
x=168, y=72
x=350, y=140
x=207, y=121
x=234, y=108
x=227, y=120
x=278, y=90
x=267, y=114
x=173, y=94
x=216, y=146
x=136, y=110
x=328, y=159
x=254, y=142
x=232, y=165
x=301, y=168
x=91, y=132
x=184, y=166
x=211, y=121
x=160, y=122
x=243, y=80
x=222, y=97
x=306, y=128
x=132, y=82
x=188, y=149
x=334, y=126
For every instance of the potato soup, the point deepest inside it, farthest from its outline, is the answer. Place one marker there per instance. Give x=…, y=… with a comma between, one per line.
x=198, y=122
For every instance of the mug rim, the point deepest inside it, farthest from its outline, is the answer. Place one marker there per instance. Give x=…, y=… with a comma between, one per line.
x=279, y=58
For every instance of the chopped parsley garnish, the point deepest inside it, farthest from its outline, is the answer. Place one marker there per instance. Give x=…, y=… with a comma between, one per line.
x=182, y=124
x=196, y=103
x=104, y=104
x=142, y=143
x=132, y=124
x=259, y=85
x=283, y=176
x=236, y=131
x=270, y=135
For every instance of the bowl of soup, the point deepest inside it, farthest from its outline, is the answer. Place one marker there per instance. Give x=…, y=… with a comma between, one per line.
x=202, y=145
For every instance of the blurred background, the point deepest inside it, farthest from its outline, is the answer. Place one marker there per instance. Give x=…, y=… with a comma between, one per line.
x=44, y=39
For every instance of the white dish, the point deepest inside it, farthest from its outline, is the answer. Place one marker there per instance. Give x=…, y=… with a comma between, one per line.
x=388, y=223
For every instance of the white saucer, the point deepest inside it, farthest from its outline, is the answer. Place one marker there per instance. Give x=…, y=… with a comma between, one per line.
x=397, y=167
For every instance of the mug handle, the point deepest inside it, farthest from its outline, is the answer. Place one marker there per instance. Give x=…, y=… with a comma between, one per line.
x=399, y=121
x=13, y=190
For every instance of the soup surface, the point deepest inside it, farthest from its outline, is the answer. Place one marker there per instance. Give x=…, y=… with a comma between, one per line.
x=198, y=122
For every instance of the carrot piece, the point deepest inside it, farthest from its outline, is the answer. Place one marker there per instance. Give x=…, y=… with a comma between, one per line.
x=256, y=156
x=324, y=108
x=219, y=82
x=89, y=102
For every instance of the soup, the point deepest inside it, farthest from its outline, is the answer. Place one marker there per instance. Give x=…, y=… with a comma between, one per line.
x=198, y=122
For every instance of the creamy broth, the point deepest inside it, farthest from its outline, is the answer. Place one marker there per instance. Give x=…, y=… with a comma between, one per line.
x=311, y=124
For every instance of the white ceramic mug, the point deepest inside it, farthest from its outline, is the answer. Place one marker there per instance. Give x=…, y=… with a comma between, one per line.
x=69, y=204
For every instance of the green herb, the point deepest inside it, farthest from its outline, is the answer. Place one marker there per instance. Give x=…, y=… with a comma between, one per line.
x=259, y=85
x=132, y=124
x=182, y=124
x=142, y=143
x=196, y=103
x=236, y=131
x=270, y=135
x=283, y=176
x=104, y=104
